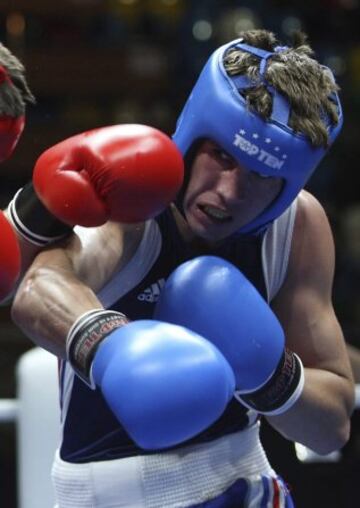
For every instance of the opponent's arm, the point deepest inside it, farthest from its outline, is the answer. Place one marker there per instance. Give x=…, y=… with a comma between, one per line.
x=321, y=417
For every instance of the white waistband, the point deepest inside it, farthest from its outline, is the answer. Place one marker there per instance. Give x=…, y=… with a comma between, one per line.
x=174, y=479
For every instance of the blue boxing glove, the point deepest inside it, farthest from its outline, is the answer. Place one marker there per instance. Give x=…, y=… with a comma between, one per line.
x=213, y=298
x=164, y=383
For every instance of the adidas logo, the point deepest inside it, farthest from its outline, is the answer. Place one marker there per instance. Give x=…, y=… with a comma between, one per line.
x=151, y=294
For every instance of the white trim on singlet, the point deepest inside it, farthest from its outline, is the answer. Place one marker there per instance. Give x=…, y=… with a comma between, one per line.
x=136, y=269
x=275, y=250
x=67, y=381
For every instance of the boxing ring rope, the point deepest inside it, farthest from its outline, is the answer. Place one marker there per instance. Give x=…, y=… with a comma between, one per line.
x=36, y=414
x=8, y=410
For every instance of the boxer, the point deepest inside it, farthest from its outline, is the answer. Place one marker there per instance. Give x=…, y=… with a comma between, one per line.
x=257, y=123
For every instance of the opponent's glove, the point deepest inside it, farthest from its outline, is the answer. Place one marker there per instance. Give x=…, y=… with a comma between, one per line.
x=125, y=173
x=10, y=259
x=213, y=298
x=163, y=382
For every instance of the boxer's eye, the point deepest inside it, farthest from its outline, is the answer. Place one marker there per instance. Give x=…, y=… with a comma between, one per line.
x=223, y=157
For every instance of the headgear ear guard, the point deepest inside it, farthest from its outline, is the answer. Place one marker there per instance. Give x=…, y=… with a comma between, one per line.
x=217, y=111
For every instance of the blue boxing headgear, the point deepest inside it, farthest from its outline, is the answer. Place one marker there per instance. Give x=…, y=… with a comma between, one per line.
x=217, y=111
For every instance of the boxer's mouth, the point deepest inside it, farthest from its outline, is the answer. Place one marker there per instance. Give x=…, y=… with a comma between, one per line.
x=216, y=214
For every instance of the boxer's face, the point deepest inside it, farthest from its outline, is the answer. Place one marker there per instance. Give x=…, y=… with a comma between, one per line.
x=222, y=196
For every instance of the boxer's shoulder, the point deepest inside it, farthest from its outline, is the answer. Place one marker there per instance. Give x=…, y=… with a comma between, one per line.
x=98, y=252
x=310, y=212
x=312, y=242
x=311, y=263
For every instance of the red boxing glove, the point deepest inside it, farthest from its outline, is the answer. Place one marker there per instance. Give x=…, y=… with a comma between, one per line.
x=10, y=127
x=9, y=258
x=126, y=173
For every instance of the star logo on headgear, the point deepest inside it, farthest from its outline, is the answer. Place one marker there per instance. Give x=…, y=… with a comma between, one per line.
x=254, y=150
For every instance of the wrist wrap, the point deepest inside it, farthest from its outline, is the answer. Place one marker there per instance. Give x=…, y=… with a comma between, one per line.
x=32, y=219
x=85, y=336
x=281, y=391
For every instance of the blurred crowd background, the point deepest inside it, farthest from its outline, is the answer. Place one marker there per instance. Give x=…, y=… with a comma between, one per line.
x=93, y=63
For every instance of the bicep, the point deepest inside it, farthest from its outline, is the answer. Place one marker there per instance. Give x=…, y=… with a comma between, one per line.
x=304, y=303
x=313, y=331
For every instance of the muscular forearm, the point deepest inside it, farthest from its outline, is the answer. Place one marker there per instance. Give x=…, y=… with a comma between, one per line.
x=48, y=302
x=63, y=280
x=320, y=418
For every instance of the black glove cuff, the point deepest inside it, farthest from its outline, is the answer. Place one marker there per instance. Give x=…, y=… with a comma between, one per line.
x=84, y=337
x=32, y=219
x=281, y=391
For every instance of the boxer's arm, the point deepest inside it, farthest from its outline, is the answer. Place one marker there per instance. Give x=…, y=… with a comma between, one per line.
x=62, y=282
x=321, y=417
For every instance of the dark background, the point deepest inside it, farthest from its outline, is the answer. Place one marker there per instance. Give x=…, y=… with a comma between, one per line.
x=98, y=62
